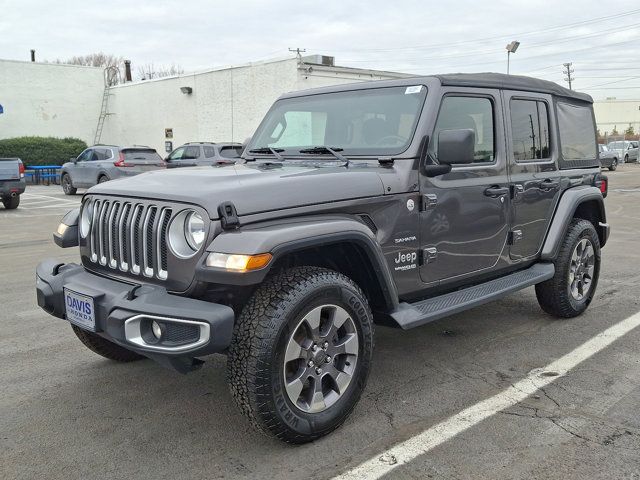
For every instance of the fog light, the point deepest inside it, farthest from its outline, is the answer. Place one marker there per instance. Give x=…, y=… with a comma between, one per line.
x=155, y=328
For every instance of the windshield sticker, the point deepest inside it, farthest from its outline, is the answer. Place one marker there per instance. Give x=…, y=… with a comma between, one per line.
x=413, y=89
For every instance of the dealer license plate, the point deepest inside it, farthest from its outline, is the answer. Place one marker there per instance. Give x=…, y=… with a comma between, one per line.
x=80, y=310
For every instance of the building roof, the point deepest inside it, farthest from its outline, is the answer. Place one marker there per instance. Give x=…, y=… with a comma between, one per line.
x=511, y=82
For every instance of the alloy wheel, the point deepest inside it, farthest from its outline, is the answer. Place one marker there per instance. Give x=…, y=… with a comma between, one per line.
x=320, y=358
x=581, y=269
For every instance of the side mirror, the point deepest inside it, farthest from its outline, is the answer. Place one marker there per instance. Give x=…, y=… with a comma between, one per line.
x=456, y=146
x=73, y=160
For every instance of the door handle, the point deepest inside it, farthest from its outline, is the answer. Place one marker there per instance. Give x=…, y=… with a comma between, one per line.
x=496, y=191
x=549, y=184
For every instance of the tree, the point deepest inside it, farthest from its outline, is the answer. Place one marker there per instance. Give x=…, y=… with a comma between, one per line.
x=615, y=131
x=100, y=59
x=149, y=71
x=629, y=131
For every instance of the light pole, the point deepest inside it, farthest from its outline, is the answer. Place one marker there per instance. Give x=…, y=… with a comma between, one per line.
x=511, y=48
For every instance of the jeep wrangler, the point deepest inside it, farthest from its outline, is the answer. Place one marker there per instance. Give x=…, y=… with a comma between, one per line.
x=394, y=202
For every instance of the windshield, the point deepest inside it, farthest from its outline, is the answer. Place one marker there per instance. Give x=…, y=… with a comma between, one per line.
x=377, y=121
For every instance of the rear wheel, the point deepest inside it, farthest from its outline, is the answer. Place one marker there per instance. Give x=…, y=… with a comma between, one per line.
x=11, y=203
x=67, y=186
x=103, y=178
x=105, y=348
x=571, y=289
x=301, y=353
x=614, y=164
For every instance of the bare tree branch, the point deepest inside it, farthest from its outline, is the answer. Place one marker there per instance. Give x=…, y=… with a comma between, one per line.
x=149, y=71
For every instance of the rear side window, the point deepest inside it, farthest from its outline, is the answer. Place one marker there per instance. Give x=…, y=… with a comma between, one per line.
x=209, y=151
x=577, y=132
x=475, y=113
x=191, y=153
x=529, y=130
x=139, y=155
x=231, y=151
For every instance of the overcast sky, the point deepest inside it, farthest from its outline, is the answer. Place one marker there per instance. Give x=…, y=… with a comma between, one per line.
x=408, y=36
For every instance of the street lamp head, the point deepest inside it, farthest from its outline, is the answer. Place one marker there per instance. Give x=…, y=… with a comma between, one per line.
x=513, y=46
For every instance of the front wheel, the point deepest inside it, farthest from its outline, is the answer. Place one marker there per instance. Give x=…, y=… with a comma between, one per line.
x=614, y=164
x=626, y=159
x=301, y=353
x=571, y=289
x=67, y=186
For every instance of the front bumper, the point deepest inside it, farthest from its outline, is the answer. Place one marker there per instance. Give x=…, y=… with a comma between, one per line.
x=119, y=308
x=16, y=187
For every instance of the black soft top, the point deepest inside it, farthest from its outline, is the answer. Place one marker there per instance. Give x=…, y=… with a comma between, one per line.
x=481, y=80
x=511, y=82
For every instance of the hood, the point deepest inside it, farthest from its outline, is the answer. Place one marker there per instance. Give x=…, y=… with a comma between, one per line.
x=252, y=187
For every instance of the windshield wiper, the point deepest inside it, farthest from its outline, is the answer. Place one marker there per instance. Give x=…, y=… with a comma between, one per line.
x=324, y=149
x=274, y=151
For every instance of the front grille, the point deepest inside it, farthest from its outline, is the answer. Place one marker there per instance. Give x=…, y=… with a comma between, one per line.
x=130, y=237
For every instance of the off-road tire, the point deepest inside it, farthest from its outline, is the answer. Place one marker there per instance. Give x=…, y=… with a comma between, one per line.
x=67, y=186
x=554, y=295
x=105, y=348
x=11, y=203
x=255, y=361
x=614, y=165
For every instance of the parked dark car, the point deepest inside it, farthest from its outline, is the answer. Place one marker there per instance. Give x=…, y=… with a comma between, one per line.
x=396, y=202
x=608, y=158
x=12, y=183
x=195, y=154
x=101, y=163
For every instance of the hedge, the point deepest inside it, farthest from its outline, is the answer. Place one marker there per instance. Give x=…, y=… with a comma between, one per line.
x=42, y=150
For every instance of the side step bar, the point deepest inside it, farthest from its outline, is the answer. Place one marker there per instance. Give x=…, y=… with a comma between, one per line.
x=410, y=315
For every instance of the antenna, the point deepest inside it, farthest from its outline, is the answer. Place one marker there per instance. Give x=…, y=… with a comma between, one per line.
x=298, y=52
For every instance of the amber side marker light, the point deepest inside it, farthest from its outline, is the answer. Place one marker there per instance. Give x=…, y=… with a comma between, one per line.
x=238, y=263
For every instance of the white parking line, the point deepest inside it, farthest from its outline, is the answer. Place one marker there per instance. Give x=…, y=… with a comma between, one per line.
x=404, y=452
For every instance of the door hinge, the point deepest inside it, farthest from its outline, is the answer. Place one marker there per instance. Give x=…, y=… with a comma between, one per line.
x=429, y=200
x=515, y=236
x=516, y=190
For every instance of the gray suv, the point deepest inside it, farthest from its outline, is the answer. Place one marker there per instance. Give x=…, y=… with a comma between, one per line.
x=396, y=203
x=194, y=154
x=102, y=163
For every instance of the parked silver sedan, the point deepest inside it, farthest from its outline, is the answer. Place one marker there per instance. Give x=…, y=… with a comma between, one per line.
x=625, y=150
x=102, y=163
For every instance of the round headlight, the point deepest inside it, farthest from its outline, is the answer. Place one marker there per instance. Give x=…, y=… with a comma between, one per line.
x=194, y=230
x=186, y=233
x=85, y=219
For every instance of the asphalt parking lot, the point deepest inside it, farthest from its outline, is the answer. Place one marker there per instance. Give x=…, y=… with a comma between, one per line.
x=67, y=413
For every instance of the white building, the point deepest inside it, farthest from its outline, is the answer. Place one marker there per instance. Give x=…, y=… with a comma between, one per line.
x=46, y=99
x=618, y=114
x=224, y=104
